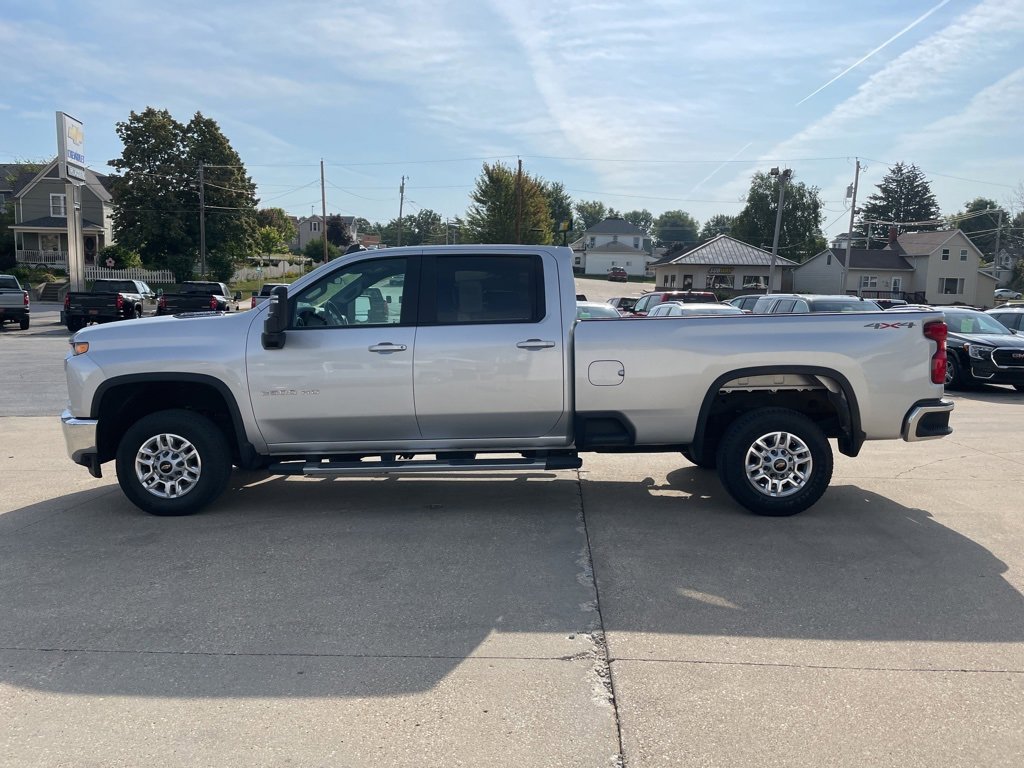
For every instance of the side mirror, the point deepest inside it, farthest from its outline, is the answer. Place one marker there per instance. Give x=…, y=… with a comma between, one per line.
x=277, y=319
x=159, y=291
x=238, y=296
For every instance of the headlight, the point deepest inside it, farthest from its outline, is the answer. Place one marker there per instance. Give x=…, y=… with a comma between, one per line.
x=978, y=352
x=79, y=347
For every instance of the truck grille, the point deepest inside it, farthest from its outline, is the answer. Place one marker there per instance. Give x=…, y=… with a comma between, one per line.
x=1009, y=357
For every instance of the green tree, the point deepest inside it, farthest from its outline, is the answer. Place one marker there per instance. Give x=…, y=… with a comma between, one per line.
x=560, y=208
x=314, y=250
x=719, y=224
x=904, y=199
x=337, y=232
x=269, y=240
x=979, y=221
x=675, y=227
x=800, y=235
x=156, y=193
x=643, y=219
x=279, y=220
x=500, y=198
x=589, y=213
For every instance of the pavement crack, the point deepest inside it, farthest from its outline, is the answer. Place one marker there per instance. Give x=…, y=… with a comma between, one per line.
x=605, y=682
x=836, y=667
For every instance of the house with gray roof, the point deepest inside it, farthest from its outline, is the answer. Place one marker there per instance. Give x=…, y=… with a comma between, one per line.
x=613, y=242
x=40, y=217
x=313, y=228
x=725, y=265
x=941, y=267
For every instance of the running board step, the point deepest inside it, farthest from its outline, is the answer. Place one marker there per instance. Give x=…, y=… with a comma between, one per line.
x=421, y=467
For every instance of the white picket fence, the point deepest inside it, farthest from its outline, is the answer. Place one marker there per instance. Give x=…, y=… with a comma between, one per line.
x=133, y=273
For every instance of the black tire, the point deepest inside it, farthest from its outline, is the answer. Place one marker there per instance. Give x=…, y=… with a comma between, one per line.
x=138, y=312
x=24, y=323
x=708, y=461
x=955, y=376
x=1019, y=387
x=185, y=448
x=777, y=435
x=75, y=325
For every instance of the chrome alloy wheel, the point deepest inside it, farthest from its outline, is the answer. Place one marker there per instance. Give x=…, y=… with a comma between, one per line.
x=168, y=466
x=778, y=464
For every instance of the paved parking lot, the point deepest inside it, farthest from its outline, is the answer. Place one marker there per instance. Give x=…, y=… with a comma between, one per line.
x=626, y=613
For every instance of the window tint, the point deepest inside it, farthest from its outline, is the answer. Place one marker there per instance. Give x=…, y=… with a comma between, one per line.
x=366, y=293
x=489, y=289
x=784, y=306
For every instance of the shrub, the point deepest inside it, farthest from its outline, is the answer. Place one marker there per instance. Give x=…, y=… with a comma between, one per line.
x=123, y=257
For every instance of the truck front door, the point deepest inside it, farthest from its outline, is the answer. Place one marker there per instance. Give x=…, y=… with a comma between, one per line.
x=344, y=375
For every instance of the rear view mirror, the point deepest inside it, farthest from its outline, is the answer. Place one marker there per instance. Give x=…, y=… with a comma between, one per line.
x=277, y=319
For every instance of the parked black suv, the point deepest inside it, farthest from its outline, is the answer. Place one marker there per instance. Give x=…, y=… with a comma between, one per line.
x=981, y=350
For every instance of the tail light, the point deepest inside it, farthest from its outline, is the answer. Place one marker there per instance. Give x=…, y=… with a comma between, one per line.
x=25, y=294
x=67, y=301
x=162, y=302
x=937, y=332
x=213, y=302
x=120, y=302
x=252, y=303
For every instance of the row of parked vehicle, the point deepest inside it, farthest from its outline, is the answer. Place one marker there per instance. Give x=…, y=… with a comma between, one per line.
x=108, y=300
x=984, y=347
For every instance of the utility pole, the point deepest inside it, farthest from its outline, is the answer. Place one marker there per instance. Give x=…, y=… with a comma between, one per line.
x=323, y=210
x=519, y=202
x=401, y=205
x=783, y=178
x=202, y=221
x=999, y=230
x=849, y=235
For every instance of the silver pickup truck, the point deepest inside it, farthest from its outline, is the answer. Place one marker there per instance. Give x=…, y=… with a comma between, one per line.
x=453, y=358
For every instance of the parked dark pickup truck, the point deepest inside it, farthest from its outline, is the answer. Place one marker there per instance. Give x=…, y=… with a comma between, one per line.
x=107, y=300
x=197, y=296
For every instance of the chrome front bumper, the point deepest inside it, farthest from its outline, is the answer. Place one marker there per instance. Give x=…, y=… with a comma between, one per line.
x=927, y=420
x=80, y=438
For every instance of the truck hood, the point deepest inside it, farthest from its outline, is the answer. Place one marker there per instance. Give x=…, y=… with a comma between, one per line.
x=154, y=331
x=992, y=339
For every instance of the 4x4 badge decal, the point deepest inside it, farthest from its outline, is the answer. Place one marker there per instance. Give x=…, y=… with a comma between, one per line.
x=879, y=326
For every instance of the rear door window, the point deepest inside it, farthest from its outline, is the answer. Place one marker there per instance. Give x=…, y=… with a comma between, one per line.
x=485, y=289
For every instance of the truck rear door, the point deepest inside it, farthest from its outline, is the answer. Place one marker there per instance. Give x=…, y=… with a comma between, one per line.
x=489, y=359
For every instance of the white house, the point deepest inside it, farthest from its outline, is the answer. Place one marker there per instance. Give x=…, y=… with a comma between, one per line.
x=613, y=242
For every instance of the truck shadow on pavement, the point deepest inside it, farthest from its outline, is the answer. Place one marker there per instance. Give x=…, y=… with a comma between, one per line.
x=381, y=587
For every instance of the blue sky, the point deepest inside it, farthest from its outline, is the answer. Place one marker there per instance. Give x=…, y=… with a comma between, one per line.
x=641, y=104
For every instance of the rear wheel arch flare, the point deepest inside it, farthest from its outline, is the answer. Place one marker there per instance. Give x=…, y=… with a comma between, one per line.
x=841, y=395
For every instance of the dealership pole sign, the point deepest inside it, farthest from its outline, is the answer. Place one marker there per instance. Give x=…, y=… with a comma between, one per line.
x=70, y=148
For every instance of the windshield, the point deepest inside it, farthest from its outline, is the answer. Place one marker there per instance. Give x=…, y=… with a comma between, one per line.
x=839, y=305
x=9, y=281
x=975, y=322
x=121, y=286
x=201, y=288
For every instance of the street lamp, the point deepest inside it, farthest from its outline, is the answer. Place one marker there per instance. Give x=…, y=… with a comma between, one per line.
x=784, y=176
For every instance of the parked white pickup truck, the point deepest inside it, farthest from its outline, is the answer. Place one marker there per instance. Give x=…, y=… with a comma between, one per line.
x=450, y=358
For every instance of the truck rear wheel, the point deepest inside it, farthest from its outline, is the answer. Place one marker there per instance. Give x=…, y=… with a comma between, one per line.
x=775, y=461
x=173, y=462
x=24, y=322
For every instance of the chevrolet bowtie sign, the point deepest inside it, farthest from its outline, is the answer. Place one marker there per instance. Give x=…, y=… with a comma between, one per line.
x=70, y=148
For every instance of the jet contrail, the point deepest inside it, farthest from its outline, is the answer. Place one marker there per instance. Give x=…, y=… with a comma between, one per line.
x=860, y=61
x=720, y=167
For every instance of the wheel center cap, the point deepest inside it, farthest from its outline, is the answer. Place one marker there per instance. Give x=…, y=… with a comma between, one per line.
x=166, y=467
x=779, y=465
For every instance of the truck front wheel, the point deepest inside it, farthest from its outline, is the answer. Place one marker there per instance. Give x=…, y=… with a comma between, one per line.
x=775, y=461
x=173, y=462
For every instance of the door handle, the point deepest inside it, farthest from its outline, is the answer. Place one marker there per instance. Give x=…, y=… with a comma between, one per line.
x=387, y=346
x=535, y=344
